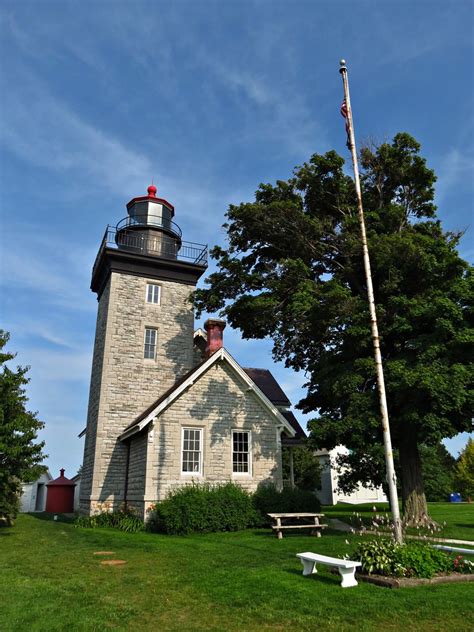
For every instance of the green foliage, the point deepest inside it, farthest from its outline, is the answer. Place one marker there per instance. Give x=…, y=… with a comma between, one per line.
x=293, y=270
x=377, y=556
x=268, y=499
x=306, y=467
x=125, y=520
x=437, y=466
x=207, y=508
x=463, y=565
x=464, y=471
x=422, y=560
x=203, y=508
x=412, y=559
x=20, y=454
x=366, y=465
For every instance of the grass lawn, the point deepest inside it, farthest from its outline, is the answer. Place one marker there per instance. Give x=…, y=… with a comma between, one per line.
x=459, y=517
x=245, y=581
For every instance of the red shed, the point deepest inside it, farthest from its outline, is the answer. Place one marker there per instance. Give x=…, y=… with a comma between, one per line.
x=60, y=496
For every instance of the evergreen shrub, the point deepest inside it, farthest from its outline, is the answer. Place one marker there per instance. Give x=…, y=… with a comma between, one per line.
x=269, y=499
x=203, y=508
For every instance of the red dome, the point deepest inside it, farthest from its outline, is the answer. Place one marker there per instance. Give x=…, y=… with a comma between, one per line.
x=152, y=190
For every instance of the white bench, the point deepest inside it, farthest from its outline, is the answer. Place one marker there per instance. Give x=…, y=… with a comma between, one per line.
x=346, y=568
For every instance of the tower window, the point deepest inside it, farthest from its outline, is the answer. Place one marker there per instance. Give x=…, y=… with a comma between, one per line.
x=149, y=351
x=153, y=293
x=192, y=451
x=240, y=452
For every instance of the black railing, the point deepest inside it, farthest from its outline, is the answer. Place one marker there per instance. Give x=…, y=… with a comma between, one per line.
x=151, y=221
x=154, y=244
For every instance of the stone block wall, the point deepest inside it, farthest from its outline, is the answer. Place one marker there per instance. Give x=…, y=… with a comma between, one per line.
x=137, y=472
x=94, y=400
x=123, y=383
x=218, y=402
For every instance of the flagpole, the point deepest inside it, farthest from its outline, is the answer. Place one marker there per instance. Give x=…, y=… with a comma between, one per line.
x=391, y=476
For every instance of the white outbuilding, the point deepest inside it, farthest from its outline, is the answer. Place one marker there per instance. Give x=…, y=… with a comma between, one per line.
x=329, y=494
x=33, y=497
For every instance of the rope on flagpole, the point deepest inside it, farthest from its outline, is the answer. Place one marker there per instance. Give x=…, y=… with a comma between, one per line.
x=391, y=476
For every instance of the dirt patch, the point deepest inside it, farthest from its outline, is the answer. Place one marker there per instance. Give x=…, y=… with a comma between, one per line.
x=408, y=582
x=113, y=562
x=103, y=553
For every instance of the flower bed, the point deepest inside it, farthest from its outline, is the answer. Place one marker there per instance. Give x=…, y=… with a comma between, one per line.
x=390, y=564
x=407, y=582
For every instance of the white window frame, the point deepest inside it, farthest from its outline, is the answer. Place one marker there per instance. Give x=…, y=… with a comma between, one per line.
x=156, y=289
x=145, y=343
x=200, y=451
x=240, y=431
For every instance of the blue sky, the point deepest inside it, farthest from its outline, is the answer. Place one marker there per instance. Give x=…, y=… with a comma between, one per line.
x=209, y=99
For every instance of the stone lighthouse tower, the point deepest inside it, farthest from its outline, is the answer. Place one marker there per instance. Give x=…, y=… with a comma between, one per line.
x=143, y=276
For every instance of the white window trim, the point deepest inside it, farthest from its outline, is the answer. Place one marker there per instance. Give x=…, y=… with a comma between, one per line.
x=144, y=342
x=158, y=285
x=248, y=474
x=201, y=451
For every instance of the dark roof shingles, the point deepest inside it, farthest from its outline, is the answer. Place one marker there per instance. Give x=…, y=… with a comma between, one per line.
x=261, y=377
x=268, y=385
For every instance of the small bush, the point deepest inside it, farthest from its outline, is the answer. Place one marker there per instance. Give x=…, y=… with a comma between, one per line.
x=124, y=519
x=378, y=557
x=269, y=499
x=412, y=559
x=422, y=560
x=203, y=508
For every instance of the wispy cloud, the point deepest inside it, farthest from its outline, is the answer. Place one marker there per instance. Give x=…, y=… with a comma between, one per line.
x=41, y=129
x=454, y=168
x=285, y=119
x=46, y=264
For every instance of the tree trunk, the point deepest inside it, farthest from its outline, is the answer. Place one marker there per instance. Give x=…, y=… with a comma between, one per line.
x=415, y=509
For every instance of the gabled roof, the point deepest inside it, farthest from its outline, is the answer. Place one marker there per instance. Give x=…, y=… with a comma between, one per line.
x=200, y=333
x=188, y=380
x=268, y=385
x=295, y=424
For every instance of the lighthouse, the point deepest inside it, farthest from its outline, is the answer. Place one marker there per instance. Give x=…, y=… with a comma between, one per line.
x=143, y=275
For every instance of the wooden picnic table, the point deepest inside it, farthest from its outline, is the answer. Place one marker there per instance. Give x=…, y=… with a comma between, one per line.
x=314, y=525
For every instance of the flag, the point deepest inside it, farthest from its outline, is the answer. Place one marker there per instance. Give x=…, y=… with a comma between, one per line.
x=345, y=115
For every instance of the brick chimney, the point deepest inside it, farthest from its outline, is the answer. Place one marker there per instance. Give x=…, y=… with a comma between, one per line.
x=215, y=337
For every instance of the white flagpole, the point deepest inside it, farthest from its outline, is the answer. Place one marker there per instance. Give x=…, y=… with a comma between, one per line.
x=391, y=476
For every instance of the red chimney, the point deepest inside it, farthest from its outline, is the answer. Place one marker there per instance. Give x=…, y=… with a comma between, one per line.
x=215, y=335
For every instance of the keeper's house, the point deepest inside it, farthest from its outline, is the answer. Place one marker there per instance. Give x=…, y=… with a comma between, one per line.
x=169, y=405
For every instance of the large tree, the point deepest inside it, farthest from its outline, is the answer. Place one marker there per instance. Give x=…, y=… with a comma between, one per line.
x=367, y=467
x=293, y=270
x=464, y=471
x=20, y=454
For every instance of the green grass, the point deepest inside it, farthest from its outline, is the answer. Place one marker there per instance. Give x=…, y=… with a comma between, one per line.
x=459, y=517
x=50, y=580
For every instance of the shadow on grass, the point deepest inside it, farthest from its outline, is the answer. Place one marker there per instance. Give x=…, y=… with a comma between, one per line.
x=43, y=515
x=296, y=534
x=332, y=578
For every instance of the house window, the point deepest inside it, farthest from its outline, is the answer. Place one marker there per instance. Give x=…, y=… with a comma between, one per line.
x=240, y=452
x=153, y=293
x=149, y=350
x=192, y=451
